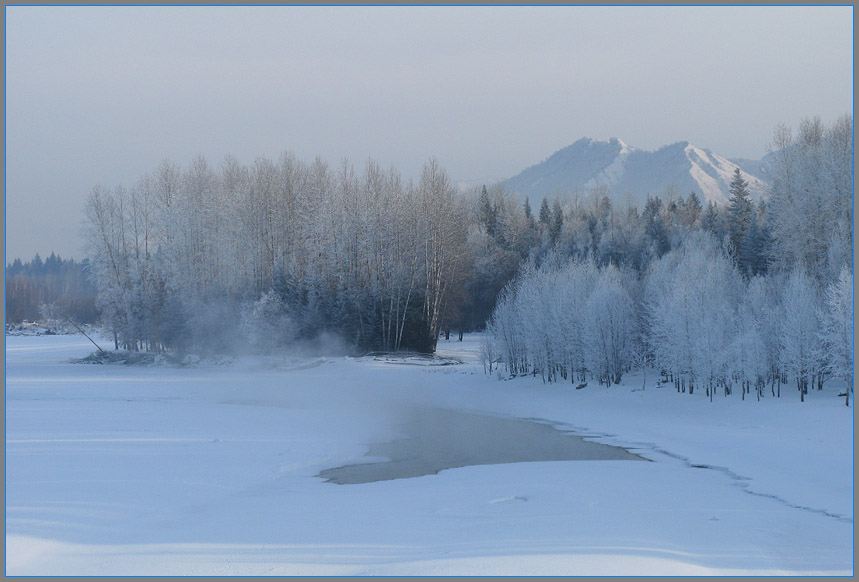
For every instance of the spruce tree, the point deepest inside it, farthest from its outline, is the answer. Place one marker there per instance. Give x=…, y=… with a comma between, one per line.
x=557, y=221
x=487, y=212
x=545, y=213
x=654, y=227
x=711, y=221
x=652, y=208
x=740, y=215
x=657, y=233
x=752, y=250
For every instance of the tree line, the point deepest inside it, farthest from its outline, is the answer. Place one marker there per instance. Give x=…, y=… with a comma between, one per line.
x=277, y=253
x=55, y=285
x=284, y=252
x=742, y=299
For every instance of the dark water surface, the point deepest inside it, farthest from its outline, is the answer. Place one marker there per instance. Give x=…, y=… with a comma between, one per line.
x=437, y=439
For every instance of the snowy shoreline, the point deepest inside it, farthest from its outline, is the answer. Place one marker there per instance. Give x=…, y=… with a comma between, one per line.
x=213, y=470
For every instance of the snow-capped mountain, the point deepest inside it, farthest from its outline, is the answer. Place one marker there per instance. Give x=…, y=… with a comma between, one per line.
x=629, y=174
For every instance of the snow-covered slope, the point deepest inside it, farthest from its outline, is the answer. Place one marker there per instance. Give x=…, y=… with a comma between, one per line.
x=630, y=174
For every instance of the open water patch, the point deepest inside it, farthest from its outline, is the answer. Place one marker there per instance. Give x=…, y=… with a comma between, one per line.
x=436, y=439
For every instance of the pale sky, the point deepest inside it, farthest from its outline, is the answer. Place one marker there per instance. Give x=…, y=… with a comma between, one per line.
x=99, y=95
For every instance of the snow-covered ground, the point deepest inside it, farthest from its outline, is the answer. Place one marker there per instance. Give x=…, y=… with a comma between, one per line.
x=212, y=469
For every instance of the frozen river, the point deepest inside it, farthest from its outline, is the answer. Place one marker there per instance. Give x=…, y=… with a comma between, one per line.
x=232, y=467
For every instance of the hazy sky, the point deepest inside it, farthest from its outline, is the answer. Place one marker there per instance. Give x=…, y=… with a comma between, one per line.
x=102, y=95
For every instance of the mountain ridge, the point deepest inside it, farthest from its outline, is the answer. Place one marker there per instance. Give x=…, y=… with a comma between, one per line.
x=630, y=173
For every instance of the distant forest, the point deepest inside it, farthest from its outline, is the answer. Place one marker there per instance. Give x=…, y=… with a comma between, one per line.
x=56, y=287
x=280, y=253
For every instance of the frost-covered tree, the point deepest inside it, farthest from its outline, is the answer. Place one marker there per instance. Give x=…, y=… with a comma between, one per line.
x=504, y=329
x=487, y=213
x=692, y=210
x=105, y=233
x=761, y=311
x=557, y=221
x=837, y=330
x=545, y=213
x=752, y=355
x=801, y=355
x=811, y=202
x=691, y=297
x=494, y=258
x=740, y=215
x=569, y=318
x=443, y=228
x=754, y=248
x=379, y=261
x=566, y=320
x=712, y=221
x=609, y=327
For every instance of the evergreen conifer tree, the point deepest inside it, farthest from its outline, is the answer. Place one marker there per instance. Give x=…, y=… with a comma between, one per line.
x=740, y=215
x=487, y=212
x=557, y=221
x=545, y=213
x=752, y=250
